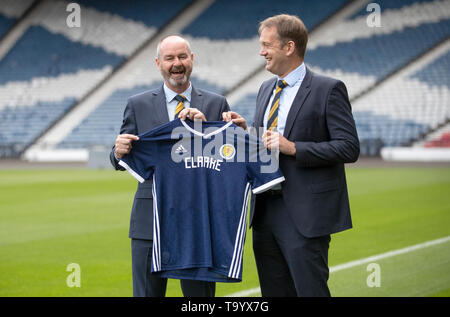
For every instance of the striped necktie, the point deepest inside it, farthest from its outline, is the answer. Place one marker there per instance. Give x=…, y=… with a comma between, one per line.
x=272, y=120
x=181, y=99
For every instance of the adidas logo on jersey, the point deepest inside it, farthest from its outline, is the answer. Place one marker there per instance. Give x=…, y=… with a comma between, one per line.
x=180, y=150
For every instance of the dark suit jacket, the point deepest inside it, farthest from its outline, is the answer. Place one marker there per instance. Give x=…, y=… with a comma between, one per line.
x=144, y=112
x=321, y=124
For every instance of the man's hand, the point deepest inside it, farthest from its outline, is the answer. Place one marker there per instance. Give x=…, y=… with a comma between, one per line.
x=276, y=141
x=123, y=144
x=236, y=118
x=192, y=113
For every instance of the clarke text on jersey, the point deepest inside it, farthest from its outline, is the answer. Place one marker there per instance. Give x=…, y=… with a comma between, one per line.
x=202, y=161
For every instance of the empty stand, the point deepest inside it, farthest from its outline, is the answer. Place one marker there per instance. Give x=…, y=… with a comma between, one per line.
x=387, y=5
x=102, y=126
x=10, y=12
x=398, y=85
x=51, y=67
x=225, y=51
x=237, y=19
x=151, y=13
x=436, y=73
x=408, y=107
x=40, y=53
x=380, y=55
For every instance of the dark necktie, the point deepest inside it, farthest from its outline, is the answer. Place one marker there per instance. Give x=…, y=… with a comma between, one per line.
x=181, y=99
x=272, y=120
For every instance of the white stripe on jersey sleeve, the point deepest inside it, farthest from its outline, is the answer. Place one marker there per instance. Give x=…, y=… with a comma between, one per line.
x=236, y=261
x=130, y=170
x=266, y=186
x=156, y=257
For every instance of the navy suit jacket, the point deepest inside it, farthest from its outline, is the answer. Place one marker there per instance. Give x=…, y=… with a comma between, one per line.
x=321, y=124
x=144, y=112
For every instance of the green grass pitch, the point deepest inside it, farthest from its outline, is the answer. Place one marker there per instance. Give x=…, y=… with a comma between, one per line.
x=51, y=218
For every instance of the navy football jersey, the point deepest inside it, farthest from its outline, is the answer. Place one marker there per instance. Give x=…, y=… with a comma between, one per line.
x=203, y=174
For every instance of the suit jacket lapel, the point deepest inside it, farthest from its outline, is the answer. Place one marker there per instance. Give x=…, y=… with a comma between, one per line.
x=298, y=102
x=160, y=106
x=264, y=103
x=196, y=100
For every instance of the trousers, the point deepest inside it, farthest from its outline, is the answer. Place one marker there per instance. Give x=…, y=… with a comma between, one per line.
x=288, y=263
x=146, y=284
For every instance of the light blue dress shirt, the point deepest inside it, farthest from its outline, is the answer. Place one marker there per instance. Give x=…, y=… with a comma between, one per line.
x=172, y=102
x=294, y=79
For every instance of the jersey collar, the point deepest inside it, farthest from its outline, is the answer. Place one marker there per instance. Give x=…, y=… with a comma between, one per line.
x=206, y=136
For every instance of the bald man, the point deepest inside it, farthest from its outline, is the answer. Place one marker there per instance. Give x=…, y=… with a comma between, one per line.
x=144, y=112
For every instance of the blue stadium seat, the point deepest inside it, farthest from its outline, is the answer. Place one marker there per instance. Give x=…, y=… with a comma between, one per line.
x=39, y=53
x=387, y=5
x=5, y=24
x=246, y=107
x=387, y=131
x=151, y=13
x=21, y=125
x=238, y=19
x=103, y=124
x=379, y=55
x=436, y=73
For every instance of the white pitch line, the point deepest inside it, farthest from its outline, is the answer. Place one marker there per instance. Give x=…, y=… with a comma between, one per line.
x=351, y=264
x=388, y=254
x=245, y=293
